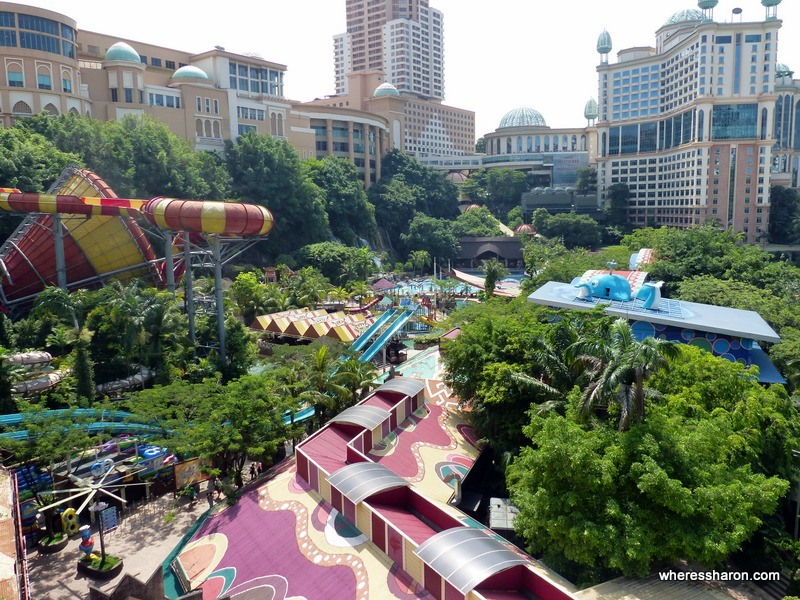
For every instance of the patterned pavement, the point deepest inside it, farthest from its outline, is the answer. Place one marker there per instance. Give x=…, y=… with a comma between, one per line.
x=283, y=542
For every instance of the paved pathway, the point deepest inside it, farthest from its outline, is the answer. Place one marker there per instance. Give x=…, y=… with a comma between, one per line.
x=143, y=540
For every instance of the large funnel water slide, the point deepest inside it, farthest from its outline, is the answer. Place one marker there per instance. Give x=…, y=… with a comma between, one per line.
x=80, y=234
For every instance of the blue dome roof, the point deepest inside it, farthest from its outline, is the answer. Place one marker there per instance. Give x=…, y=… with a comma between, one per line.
x=523, y=117
x=685, y=16
x=781, y=70
x=190, y=71
x=386, y=89
x=591, y=110
x=770, y=2
x=604, y=43
x=707, y=3
x=122, y=51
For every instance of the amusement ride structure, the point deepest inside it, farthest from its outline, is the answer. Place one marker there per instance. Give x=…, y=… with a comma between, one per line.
x=81, y=234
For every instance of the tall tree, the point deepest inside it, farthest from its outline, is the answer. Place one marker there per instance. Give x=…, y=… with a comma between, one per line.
x=267, y=171
x=493, y=271
x=350, y=215
x=435, y=236
x=619, y=364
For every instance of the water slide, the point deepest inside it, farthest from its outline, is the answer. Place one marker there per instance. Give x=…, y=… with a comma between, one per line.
x=100, y=235
x=384, y=338
x=365, y=337
x=109, y=420
x=367, y=306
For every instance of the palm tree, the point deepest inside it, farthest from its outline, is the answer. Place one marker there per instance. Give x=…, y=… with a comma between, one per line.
x=420, y=259
x=323, y=389
x=493, y=271
x=618, y=365
x=357, y=377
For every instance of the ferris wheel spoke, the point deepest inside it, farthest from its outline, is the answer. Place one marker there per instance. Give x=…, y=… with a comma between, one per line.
x=107, y=493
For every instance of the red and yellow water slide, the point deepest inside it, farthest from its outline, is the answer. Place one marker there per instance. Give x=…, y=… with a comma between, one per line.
x=100, y=235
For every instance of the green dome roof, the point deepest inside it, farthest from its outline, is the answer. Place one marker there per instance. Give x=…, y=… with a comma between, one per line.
x=386, y=89
x=770, y=2
x=781, y=70
x=122, y=51
x=523, y=117
x=707, y=3
x=604, y=43
x=685, y=16
x=591, y=110
x=190, y=71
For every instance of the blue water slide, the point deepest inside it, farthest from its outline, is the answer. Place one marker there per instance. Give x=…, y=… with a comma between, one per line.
x=384, y=338
x=111, y=415
x=365, y=337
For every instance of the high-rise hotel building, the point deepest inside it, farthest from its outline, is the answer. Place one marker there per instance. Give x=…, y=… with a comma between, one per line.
x=699, y=126
x=401, y=38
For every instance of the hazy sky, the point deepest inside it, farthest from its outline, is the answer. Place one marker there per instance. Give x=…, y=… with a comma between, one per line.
x=499, y=54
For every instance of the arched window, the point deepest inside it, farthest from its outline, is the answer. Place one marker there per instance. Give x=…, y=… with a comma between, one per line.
x=217, y=131
x=547, y=143
x=74, y=111
x=564, y=145
x=280, y=125
x=555, y=143
x=22, y=108
x=273, y=124
x=583, y=143
x=66, y=81
x=50, y=109
x=787, y=121
x=530, y=144
x=207, y=128
x=603, y=144
x=538, y=144
x=14, y=75
x=198, y=128
x=701, y=119
x=574, y=143
x=44, y=77
x=519, y=143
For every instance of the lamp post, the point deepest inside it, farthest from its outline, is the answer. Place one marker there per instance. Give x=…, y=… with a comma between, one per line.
x=97, y=508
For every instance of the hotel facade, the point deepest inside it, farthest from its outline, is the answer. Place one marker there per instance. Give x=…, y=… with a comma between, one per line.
x=701, y=125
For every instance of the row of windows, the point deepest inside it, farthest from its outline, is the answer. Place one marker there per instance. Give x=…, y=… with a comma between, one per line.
x=164, y=100
x=37, y=41
x=15, y=77
x=206, y=103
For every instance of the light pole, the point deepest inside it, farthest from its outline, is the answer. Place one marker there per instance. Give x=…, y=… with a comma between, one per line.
x=97, y=508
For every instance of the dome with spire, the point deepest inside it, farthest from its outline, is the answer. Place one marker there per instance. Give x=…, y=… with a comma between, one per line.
x=386, y=89
x=604, y=43
x=522, y=117
x=190, y=71
x=123, y=52
x=591, y=110
x=685, y=16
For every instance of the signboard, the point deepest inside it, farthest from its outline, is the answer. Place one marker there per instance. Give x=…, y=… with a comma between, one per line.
x=109, y=518
x=189, y=472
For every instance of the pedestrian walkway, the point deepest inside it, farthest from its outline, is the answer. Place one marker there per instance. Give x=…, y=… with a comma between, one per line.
x=145, y=536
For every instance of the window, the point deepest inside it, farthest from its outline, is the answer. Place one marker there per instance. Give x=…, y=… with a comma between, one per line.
x=129, y=95
x=44, y=82
x=66, y=86
x=170, y=64
x=208, y=105
x=216, y=106
x=8, y=38
x=15, y=78
x=114, y=95
x=199, y=104
x=156, y=62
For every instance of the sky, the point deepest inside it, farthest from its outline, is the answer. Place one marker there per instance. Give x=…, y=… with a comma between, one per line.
x=519, y=53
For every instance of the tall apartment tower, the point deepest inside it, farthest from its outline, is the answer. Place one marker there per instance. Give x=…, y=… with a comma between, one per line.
x=700, y=125
x=401, y=38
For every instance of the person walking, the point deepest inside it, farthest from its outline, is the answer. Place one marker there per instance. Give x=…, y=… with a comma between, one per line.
x=253, y=471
